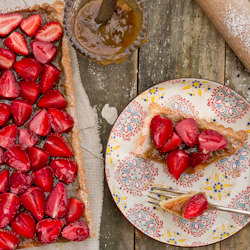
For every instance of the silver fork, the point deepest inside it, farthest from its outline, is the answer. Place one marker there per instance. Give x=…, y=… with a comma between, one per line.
x=172, y=193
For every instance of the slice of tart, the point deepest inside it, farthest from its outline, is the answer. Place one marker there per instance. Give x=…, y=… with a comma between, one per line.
x=185, y=143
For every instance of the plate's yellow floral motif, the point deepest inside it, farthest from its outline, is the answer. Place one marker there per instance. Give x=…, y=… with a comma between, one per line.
x=223, y=232
x=153, y=94
x=195, y=87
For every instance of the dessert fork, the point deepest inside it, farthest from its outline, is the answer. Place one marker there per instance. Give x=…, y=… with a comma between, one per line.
x=172, y=193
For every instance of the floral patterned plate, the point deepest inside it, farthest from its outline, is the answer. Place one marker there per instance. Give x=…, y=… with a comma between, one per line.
x=226, y=183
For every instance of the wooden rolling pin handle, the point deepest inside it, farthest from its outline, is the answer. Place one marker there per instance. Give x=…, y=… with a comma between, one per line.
x=232, y=19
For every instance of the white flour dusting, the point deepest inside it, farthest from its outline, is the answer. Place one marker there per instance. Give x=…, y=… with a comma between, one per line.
x=109, y=114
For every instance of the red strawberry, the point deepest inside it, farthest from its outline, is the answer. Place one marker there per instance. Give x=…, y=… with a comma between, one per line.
x=30, y=91
x=34, y=200
x=48, y=230
x=64, y=169
x=161, y=129
x=43, y=52
x=8, y=240
x=8, y=136
x=50, y=32
x=28, y=68
x=5, y=113
x=9, y=88
x=50, y=75
x=4, y=180
x=40, y=123
x=7, y=58
x=21, y=111
x=17, y=43
x=56, y=204
x=9, y=22
x=76, y=231
x=52, y=99
x=75, y=210
x=9, y=205
x=177, y=162
x=57, y=146
x=24, y=225
x=172, y=143
x=1, y=156
x=60, y=121
x=20, y=182
x=31, y=24
x=210, y=140
x=17, y=158
x=197, y=158
x=44, y=178
x=187, y=129
x=38, y=157
x=27, y=138
x=195, y=206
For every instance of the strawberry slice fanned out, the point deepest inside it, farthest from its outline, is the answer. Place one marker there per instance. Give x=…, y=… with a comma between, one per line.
x=31, y=24
x=17, y=43
x=4, y=180
x=172, y=143
x=30, y=91
x=50, y=32
x=43, y=178
x=75, y=210
x=7, y=58
x=8, y=240
x=21, y=111
x=8, y=136
x=197, y=158
x=5, y=113
x=9, y=22
x=1, y=156
x=38, y=157
x=26, y=138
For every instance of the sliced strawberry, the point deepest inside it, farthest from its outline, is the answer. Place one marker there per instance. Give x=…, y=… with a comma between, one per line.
x=197, y=158
x=195, y=206
x=210, y=140
x=34, y=200
x=24, y=225
x=64, y=169
x=17, y=43
x=21, y=111
x=44, y=178
x=50, y=32
x=26, y=138
x=17, y=158
x=48, y=230
x=76, y=231
x=43, y=52
x=187, y=129
x=40, y=123
x=9, y=205
x=4, y=180
x=172, y=143
x=56, y=204
x=31, y=24
x=9, y=22
x=28, y=68
x=161, y=129
x=30, y=91
x=1, y=157
x=75, y=210
x=52, y=99
x=60, y=121
x=5, y=113
x=177, y=162
x=20, y=182
x=8, y=240
x=38, y=157
x=7, y=58
x=9, y=88
x=50, y=75
x=8, y=136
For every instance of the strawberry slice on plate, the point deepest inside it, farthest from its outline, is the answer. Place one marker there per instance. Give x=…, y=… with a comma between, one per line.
x=4, y=180
x=24, y=225
x=172, y=143
x=9, y=22
x=31, y=24
x=7, y=58
x=8, y=136
x=21, y=111
x=75, y=210
x=8, y=240
x=26, y=138
x=38, y=157
x=50, y=32
x=197, y=158
x=17, y=158
x=56, y=204
x=44, y=178
x=1, y=156
x=9, y=88
x=34, y=200
x=30, y=91
x=28, y=68
x=5, y=113
x=43, y=52
x=17, y=43
x=52, y=99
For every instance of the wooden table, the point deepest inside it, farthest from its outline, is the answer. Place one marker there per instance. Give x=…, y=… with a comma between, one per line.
x=181, y=43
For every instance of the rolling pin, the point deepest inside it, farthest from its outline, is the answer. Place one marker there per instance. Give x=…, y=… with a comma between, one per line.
x=232, y=19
